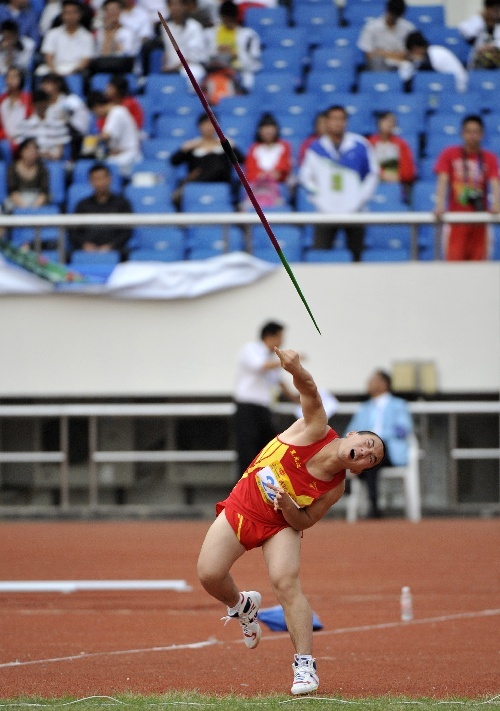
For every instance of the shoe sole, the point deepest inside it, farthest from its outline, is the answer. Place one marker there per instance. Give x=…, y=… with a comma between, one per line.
x=309, y=690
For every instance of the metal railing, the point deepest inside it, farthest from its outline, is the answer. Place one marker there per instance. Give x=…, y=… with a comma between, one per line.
x=93, y=412
x=227, y=219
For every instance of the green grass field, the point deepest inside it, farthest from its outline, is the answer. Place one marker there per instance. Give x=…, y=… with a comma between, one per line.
x=238, y=703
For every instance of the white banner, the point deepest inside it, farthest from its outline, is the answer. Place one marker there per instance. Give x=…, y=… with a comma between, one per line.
x=150, y=280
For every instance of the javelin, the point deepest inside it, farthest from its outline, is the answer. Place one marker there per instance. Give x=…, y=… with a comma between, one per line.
x=230, y=154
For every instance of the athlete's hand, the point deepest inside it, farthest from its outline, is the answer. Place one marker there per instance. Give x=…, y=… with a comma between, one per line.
x=280, y=496
x=290, y=360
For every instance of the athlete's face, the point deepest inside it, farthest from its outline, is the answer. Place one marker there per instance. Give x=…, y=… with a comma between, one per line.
x=360, y=451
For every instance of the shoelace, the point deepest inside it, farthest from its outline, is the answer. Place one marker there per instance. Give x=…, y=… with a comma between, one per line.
x=244, y=620
x=301, y=673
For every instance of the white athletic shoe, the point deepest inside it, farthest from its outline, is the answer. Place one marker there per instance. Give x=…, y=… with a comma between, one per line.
x=247, y=617
x=305, y=679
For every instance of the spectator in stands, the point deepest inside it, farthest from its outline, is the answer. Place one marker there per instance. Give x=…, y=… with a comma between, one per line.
x=67, y=107
x=319, y=130
x=340, y=172
x=153, y=7
x=117, y=92
x=15, y=51
x=393, y=154
x=422, y=56
x=206, y=13
x=483, y=32
x=67, y=49
x=244, y=5
x=136, y=19
x=20, y=12
x=188, y=34
x=383, y=38
x=51, y=134
x=389, y=417
x=205, y=159
x=112, y=38
x=50, y=12
x=27, y=178
x=464, y=175
x=119, y=134
x=269, y=162
x=232, y=51
x=101, y=238
x=15, y=104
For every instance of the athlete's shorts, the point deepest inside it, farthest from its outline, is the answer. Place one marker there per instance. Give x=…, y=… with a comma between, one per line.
x=250, y=533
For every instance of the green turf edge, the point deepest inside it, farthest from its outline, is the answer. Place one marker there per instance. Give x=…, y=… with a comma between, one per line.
x=275, y=702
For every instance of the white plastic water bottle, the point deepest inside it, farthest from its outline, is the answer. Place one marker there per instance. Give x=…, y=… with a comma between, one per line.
x=406, y=604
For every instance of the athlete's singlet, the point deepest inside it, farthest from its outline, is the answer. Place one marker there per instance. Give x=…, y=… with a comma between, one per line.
x=282, y=465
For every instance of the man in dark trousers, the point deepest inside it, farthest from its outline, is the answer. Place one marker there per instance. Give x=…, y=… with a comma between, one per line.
x=101, y=238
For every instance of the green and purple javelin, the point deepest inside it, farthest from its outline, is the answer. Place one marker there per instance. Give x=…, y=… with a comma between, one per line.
x=230, y=154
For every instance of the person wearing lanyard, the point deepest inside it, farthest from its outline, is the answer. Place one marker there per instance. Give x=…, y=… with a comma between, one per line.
x=465, y=174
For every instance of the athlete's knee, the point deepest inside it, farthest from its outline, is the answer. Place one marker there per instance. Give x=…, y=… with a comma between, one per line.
x=286, y=587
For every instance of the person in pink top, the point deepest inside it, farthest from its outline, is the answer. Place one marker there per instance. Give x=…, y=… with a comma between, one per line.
x=269, y=162
x=465, y=173
x=15, y=104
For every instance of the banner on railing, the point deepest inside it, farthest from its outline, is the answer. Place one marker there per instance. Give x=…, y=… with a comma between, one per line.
x=146, y=280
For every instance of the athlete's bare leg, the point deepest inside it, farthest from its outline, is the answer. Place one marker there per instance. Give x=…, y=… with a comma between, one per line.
x=219, y=551
x=282, y=556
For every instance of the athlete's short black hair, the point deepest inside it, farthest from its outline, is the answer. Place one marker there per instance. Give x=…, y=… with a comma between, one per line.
x=384, y=451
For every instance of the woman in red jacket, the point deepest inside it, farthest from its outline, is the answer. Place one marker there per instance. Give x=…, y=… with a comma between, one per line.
x=268, y=162
x=394, y=155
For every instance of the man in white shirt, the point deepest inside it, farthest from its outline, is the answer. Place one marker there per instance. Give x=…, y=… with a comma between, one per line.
x=425, y=56
x=51, y=134
x=258, y=379
x=136, y=19
x=389, y=417
x=340, y=172
x=483, y=32
x=113, y=39
x=119, y=133
x=188, y=34
x=69, y=48
x=383, y=39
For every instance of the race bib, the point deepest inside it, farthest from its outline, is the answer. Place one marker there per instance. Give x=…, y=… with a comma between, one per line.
x=264, y=477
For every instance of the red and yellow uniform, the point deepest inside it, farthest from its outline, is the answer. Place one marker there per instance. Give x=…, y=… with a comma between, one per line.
x=250, y=505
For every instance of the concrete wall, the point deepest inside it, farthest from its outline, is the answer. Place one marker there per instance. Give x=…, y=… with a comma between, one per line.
x=370, y=315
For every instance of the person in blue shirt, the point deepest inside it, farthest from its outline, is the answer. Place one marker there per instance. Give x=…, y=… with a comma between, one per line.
x=389, y=417
x=21, y=12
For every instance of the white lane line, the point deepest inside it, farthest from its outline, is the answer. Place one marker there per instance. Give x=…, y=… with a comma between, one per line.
x=69, y=586
x=266, y=638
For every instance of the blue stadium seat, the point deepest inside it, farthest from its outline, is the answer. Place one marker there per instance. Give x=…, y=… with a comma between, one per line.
x=341, y=255
x=315, y=16
x=409, y=109
x=444, y=124
x=426, y=17
x=155, y=61
x=159, y=239
x=294, y=127
x=213, y=239
x=388, y=237
x=153, y=199
x=388, y=197
x=287, y=38
x=270, y=84
x=265, y=20
x=160, y=148
x=99, y=81
x=207, y=197
x=345, y=38
x=435, y=143
x=276, y=59
x=292, y=104
x=492, y=125
x=356, y=14
x=182, y=128
x=436, y=86
x=27, y=235
x=165, y=88
x=57, y=181
x=494, y=145
x=245, y=105
x=182, y=107
x=325, y=58
x=374, y=83
x=287, y=236
x=462, y=104
x=423, y=196
x=495, y=247
x=151, y=171
x=75, y=193
x=156, y=255
x=81, y=173
x=487, y=82
x=79, y=257
x=240, y=129
x=426, y=168
x=75, y=84
x=385, y=255
x=450, y=38
x=329, y=83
